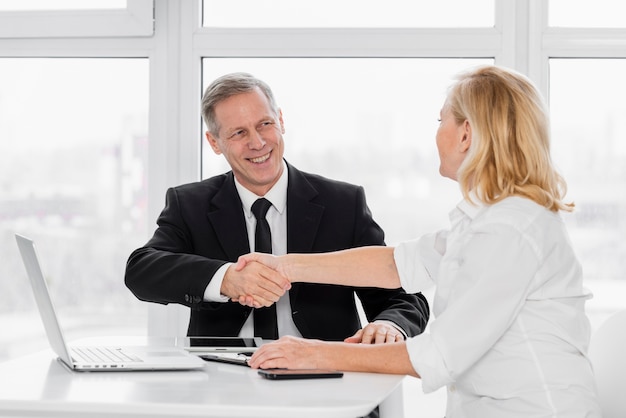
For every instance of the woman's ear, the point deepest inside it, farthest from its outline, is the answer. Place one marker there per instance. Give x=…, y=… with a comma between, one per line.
x=466, y=138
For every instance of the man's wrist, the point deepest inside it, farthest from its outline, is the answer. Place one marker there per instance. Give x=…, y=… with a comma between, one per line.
x=213, y=291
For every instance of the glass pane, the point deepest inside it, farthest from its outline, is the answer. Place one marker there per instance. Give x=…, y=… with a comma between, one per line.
x=367, y=121
x=73, y=156
x=590, y=149
x=587, y=14
x=33, y=5
x=348, y=13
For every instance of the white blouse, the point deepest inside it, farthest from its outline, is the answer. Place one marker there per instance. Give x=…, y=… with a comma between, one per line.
x=510, y=336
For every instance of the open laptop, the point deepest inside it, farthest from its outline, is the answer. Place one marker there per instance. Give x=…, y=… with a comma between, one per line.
x=109, y=358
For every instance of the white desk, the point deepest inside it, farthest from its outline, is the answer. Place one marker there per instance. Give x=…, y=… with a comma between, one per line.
x=40, y=386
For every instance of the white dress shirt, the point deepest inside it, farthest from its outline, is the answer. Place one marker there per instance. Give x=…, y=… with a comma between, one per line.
x=277, y=218
x=510, y=336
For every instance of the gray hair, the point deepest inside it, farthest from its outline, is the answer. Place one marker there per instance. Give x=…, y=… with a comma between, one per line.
x=226, y=86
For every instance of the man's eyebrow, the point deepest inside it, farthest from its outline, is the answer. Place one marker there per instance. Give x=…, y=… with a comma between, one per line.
x=266, y=118
x=230, y=131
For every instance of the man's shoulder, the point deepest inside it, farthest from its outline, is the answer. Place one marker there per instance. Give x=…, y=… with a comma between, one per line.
x=212, y=182
x=322, y=183
x=206, y=187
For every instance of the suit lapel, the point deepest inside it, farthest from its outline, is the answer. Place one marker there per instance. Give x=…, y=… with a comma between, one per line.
x=303, y=216
x=227, y=218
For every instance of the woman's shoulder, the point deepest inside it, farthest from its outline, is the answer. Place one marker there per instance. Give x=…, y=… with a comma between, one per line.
x=517, y=212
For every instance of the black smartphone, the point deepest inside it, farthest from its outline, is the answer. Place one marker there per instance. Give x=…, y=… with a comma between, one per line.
x=283, y=374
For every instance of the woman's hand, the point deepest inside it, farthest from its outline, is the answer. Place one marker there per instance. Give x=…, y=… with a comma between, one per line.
x=290, y=353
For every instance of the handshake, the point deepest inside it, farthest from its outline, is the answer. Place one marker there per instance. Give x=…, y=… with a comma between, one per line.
x=259, y=280
x=256, y=280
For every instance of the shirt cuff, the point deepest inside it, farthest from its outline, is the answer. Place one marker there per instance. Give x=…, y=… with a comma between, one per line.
x=428, y=362
x=212, y=291
x=417, y=262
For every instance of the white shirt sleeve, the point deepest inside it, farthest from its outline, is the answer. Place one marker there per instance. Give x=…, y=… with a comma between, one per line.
x=427, y=361
x=417, y=261
x=212, y=291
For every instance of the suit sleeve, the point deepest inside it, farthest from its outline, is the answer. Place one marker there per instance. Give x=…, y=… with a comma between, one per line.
x=409, y=311
x=167, y=270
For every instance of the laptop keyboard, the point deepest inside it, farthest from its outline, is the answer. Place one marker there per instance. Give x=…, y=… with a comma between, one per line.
x=102, y=355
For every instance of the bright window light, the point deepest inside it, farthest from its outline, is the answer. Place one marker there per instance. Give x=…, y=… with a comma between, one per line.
x=348, y=13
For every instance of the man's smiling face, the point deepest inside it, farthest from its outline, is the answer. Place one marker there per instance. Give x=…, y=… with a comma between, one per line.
x=251, y=139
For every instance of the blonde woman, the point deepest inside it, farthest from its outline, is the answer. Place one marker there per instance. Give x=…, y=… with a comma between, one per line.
x=510, y=335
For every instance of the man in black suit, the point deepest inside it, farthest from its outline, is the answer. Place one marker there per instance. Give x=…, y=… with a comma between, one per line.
x=206, y=226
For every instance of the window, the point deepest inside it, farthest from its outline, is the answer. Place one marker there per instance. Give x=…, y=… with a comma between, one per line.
x=367, y=121
x=591, y=152
x=23, y=5
x=197, y=40
x=73, y=164
x=348, y=13
x=67, y=18
x=582, y=59
x=363, y=52
x=587, y=14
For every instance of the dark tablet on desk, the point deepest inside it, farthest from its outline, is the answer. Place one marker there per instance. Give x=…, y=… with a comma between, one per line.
x=221, y=344
x=284, y=374
x=228, y=358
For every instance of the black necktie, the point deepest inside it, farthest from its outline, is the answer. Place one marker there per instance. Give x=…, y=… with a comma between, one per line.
x=264, y=318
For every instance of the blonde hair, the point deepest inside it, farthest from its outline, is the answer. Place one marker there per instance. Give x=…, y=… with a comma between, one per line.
x=510, y=150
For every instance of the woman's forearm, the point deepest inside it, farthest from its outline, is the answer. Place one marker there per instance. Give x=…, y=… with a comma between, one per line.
x=361, y=267
x=390, y=358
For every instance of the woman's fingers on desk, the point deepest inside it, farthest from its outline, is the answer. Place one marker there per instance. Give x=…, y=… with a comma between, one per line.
x=377, y=332
x=287, y=352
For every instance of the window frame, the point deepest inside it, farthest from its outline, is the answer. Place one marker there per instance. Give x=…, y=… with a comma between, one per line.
x=137, y=19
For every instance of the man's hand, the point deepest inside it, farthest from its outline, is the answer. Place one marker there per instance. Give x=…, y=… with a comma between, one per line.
x=268, y=260
x=377, y=332
x=262, y=285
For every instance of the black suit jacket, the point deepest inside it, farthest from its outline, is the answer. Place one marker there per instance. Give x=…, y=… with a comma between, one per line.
x=202, y=227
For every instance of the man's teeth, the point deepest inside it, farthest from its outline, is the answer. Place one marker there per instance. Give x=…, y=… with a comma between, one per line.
x=260, y=159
